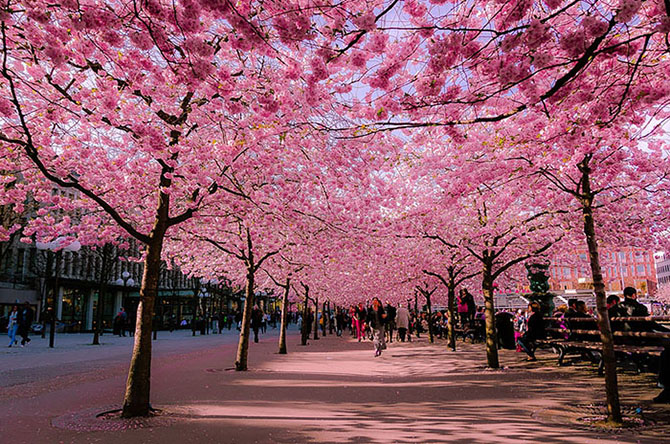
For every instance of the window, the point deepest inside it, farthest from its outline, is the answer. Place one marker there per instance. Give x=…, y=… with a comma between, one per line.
x=640, y=269
x=622, y=256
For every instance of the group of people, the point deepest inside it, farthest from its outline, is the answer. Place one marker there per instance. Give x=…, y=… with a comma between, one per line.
x=20, y=323
x=532, y=327
x=260, y=321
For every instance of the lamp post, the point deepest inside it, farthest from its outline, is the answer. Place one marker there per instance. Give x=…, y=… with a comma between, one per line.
x=126, y=281
x=55, y=247
x=204, y=295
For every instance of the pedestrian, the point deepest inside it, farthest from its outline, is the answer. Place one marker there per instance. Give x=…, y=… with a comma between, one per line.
x=534, y=331
x=25, y=320
x=215, y=323
x=391, y=313
x=377, y=319
x=466, y=307
x=238, y=319
x=339, y=321
x=13, y=325
x=264, y=323
x=129, y=325
x=402, y=321
x=120, y=322
x=256, y=320
x=359, y=319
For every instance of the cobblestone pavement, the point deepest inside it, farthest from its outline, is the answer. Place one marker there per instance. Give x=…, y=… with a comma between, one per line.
x=333, y=390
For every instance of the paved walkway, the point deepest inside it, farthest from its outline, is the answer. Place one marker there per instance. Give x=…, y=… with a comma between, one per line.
x=333, y=390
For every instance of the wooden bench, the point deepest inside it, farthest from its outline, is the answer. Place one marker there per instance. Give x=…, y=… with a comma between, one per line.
x=580, y=336
x=476, y=331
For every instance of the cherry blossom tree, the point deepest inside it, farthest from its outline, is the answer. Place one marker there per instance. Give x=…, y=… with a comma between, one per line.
x=141, y=109
x=615, y=178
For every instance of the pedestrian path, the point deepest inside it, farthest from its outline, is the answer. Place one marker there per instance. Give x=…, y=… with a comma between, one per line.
x=335, y=390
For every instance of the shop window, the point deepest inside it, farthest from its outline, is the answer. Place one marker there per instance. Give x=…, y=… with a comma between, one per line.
x=74, y=309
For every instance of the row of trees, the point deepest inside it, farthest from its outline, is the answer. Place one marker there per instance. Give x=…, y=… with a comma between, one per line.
x=360, y=147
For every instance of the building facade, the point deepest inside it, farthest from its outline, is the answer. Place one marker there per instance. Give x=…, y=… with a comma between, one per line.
x=663, y=269
x=28, y=274
x=627, y=267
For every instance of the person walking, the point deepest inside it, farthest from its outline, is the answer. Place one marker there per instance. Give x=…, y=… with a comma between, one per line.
x=339, y=321
x=377, y=319
x=264, y=323
x=120, y=322
x=256, y=320
x=359, y=318
x=402, y=321
x=391, y=313
x=13, y=325
x=25, y=320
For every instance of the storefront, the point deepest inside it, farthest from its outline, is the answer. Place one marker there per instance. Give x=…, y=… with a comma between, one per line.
x=73, y=310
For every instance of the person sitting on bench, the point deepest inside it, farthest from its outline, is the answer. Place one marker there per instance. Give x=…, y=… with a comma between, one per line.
x=534, y=331
x=632, y=308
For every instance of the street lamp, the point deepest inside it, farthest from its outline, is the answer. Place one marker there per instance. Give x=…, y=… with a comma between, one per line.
x=203, y=295
x=56, y=246
x=126, y=281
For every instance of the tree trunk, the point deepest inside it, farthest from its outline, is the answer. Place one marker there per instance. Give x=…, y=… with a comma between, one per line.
x=609, y=358
x=284, y=316
x=429, y=318
x=243, y=345
x=491, y=337
x=316, y=318
x=451, y=296
x=324, y=319
x=102, y=290
x=136, y=401
x=305, y=323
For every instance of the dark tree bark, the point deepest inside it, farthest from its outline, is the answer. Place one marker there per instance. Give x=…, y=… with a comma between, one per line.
x=243, y=343
x=492, y=360
x=609, y=358
x=136, y=401
x=107, y=250
x=427, y=295
x=451, y=297
x=306, y=326
x=284, y=317
x=324, y=318
x=454, y=278
x=316, y=318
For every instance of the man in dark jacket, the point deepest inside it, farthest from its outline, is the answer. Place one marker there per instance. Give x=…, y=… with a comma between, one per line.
x=534, y=331
x=256, y=320
x=377, y=319
x=632, y=308
x=390, y=319
x=25, y=320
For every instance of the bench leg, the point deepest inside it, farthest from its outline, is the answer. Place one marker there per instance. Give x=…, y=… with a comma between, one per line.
x=561, y=355
x=601, y=366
